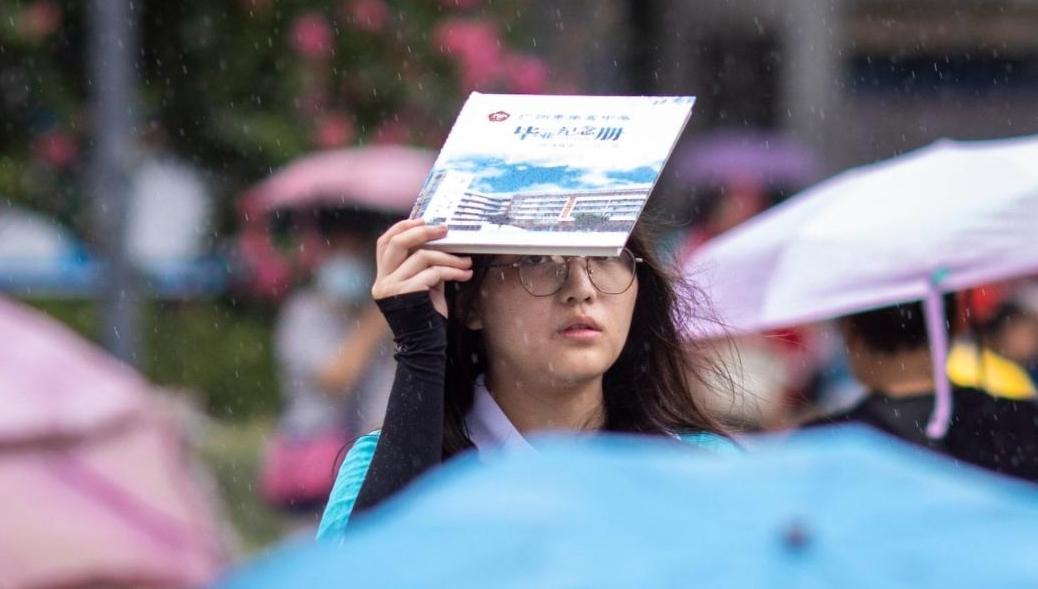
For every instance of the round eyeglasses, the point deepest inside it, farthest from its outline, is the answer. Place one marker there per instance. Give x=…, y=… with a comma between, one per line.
x=543, y=276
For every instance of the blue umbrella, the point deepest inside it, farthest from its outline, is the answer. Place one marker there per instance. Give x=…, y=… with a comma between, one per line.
x=830, y=508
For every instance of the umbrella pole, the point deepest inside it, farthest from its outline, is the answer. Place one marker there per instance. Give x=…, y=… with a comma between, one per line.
x=937, y=335
x=112, y=53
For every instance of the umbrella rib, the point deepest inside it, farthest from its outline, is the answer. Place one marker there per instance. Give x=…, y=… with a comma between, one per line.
x=86, y=481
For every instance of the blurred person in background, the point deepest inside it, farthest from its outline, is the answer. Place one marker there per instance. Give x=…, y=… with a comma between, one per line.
x=889, y=354
x=1001, y=354
x=335, y=361
x=170, y=215
x=776, y=376
x=1023, y=346
x=722, y=207
x=1014, y=333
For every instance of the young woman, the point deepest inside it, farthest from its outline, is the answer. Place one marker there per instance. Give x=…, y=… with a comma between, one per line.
x=491, y=349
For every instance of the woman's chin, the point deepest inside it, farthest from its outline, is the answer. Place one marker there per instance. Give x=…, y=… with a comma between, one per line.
x=571, y=371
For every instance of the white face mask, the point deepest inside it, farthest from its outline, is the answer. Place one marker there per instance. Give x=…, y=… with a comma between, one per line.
x=345, y=279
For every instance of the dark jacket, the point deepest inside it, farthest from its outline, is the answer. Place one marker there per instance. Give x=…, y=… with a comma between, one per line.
x=993, y=433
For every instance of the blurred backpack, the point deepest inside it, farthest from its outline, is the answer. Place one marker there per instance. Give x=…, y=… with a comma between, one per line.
x=298, y=472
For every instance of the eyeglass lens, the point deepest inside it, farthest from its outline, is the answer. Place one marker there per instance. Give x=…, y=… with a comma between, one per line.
x=545, y=275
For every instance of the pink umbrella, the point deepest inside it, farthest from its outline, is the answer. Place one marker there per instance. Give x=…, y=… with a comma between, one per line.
x=94, y=487
x=381, y=178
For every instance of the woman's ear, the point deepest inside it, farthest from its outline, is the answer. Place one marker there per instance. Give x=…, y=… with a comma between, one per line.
x=468, y=315
x=474, y=317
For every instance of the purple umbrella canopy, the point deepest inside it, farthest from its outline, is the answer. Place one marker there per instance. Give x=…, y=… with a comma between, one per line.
x=770, y=159
x=950, y=216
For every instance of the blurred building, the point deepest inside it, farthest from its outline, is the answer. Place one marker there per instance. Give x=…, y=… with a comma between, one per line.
x=856, y=79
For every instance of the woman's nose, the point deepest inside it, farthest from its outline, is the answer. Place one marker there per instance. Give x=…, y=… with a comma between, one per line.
x=578, y=286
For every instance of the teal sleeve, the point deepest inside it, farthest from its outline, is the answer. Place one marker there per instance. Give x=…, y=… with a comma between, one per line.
x=712, y=443
x=347, y=486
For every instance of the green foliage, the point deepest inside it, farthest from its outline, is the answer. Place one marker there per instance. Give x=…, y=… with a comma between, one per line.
x=209, y=349
x=223, y=354
x=232, y=451
x=241, y=87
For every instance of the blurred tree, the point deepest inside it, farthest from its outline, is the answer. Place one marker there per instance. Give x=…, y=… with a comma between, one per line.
x=240, y=87
x=42, y=105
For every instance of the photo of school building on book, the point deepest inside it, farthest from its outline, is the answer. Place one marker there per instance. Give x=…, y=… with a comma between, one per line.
x=603, y=209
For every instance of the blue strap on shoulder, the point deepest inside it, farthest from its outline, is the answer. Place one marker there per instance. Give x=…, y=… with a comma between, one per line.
x=347, y=487
x=712, y=443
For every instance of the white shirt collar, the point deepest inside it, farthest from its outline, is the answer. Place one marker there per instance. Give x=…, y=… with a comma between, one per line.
x=487, y=424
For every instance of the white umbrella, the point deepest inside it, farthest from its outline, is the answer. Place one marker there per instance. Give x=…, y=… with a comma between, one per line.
x=949, y=216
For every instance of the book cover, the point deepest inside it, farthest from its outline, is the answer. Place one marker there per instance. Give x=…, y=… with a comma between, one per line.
x=532, y=174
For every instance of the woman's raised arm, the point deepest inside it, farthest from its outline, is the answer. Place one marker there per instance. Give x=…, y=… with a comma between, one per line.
x=409, y=291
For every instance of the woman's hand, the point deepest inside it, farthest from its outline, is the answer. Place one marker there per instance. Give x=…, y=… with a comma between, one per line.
x=403, y=267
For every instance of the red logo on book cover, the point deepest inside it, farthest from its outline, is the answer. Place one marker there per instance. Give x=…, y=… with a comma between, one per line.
x=498, y=116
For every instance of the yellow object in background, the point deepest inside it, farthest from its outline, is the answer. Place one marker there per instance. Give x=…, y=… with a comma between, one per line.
x=998, y=375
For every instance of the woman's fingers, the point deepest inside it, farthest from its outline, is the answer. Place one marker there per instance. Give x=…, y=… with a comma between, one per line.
x=423, y=259
x=397, y=228
x=418, y=276
x=432, y=276
x=393, y=231
x=404, y=267
x=396, y=248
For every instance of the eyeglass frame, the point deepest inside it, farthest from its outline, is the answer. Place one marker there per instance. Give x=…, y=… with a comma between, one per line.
x=587, y=269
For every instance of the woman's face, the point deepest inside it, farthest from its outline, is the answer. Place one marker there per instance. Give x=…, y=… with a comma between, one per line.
x=570, y=337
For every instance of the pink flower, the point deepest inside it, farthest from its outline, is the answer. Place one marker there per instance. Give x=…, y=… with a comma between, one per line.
x=40, y=19
x=467, y=37
x=527, y=74
x=56, y=148
x=474, y=44
x=368, y=15
x=334, y=129
x=312, y=36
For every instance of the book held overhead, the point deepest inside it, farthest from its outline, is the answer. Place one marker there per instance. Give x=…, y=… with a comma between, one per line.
x=526, y=174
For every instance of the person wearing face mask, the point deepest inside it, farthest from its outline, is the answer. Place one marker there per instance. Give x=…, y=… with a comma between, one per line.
x=334, y=358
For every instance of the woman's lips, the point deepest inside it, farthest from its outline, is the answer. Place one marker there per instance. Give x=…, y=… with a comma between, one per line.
x=581, y=332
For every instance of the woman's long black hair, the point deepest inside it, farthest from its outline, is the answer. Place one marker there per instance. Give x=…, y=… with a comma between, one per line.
x=647, y=390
